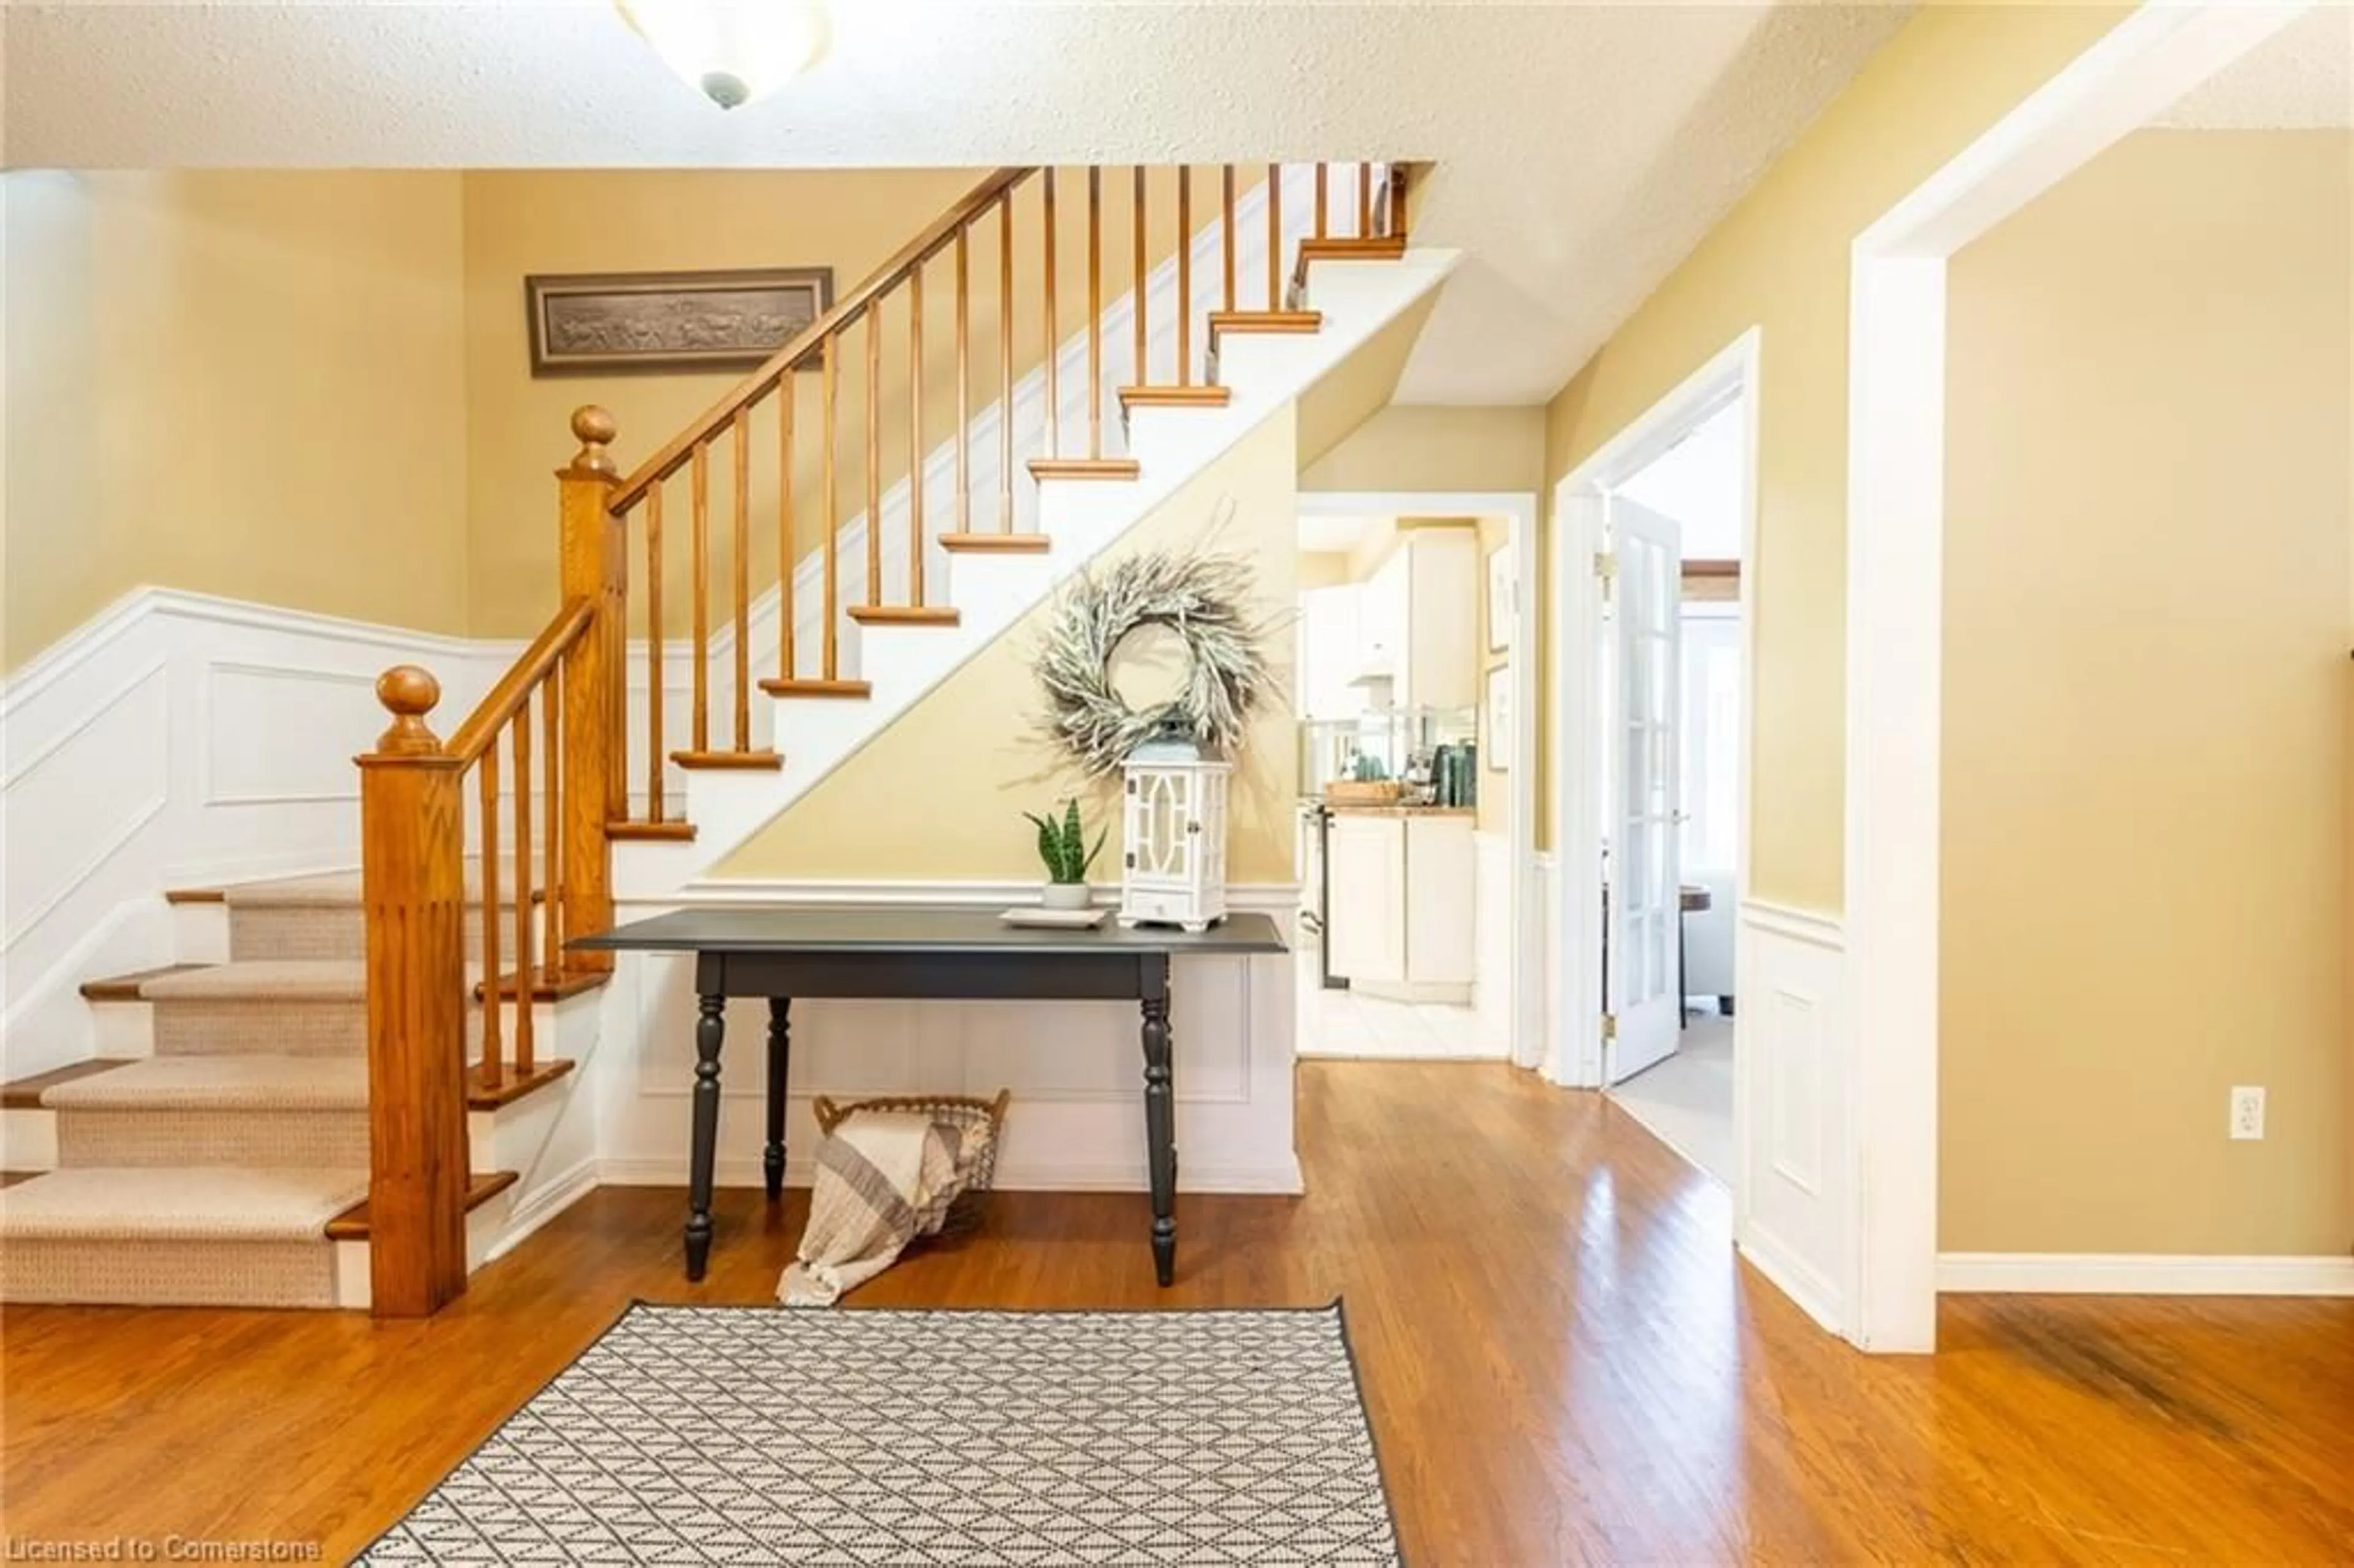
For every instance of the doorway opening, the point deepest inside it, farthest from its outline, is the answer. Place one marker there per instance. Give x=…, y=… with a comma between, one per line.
x=1673, y=828
x=1415, y=798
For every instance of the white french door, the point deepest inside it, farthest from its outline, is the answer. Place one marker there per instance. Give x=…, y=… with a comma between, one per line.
x=1642, y=878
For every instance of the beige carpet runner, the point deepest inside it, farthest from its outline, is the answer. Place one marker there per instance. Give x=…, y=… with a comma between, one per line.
x=205, y=1174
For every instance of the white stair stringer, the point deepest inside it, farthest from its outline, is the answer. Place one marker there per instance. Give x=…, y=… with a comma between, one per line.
x=1081, y=517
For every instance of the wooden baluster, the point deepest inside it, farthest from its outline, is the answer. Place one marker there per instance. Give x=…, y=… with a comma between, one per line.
x=874, y=455
x=551, y=950
x=595, y=568
x=743, y=545
x=915, y=435
x=1095, y=311
x=788, y=392
x=1005, y=362
x=657, y=747
x=1275, y=237
x=412, y=891
x=1226, y=226
x=964, y=388
x=490, y=1072
x=1136, y=252
x=1364, y=201
x=1053, y=400
x=1320, y=200
x=699, y=522
x=829, y=668
x=1395, y=224
x=1184, y=274
x=524, y=971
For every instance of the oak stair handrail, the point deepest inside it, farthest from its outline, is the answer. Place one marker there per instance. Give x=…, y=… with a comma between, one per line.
x=844, y=311
x=814, y=421
x=543, y=874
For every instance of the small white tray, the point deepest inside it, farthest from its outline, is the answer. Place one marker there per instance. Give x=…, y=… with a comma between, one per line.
x=1056, y=919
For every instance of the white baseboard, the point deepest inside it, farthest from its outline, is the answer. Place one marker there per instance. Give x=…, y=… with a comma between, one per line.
x=545, y=1203
x=2142, y=1273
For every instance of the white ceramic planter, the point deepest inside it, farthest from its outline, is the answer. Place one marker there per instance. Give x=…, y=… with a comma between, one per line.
x=1065, y=895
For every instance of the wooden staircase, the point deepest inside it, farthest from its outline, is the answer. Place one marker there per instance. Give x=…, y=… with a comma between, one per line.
x=436, y=975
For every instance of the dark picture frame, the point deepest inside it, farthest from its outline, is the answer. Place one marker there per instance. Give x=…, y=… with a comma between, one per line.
x=607, y=322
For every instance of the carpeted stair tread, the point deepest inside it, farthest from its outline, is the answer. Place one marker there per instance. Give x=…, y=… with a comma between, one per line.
x=197, y=1204
x=254, y=979
x=340, y=889
x=220, y=1083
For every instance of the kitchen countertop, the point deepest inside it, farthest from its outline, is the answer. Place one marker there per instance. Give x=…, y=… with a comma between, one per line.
x=1344, y=807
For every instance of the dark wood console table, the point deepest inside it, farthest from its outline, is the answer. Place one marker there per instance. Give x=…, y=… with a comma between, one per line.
x=920, y=952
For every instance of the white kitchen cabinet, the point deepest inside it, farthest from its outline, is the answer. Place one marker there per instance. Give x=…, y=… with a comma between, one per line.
x=1438, y=660
x=1365, y=915
x=1400, y=918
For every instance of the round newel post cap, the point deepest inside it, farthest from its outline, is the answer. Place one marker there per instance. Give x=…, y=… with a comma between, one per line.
x=409, y=693
x=594, y=428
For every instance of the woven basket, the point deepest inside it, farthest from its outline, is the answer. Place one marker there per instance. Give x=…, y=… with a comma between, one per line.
x=971, y=1206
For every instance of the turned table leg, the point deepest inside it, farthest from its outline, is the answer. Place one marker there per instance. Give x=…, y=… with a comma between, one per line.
x=710, y=1032
x=1160, y=1122
x=772, y=1155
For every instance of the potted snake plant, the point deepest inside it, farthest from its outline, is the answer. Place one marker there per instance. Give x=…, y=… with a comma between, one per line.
x=1063, y=846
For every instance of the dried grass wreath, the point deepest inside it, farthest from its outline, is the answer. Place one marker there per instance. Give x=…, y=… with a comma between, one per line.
x=1202, y=598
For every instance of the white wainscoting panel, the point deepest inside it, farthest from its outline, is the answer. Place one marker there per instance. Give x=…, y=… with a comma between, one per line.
x=176, y=738
x=1789, y=1060
x=1076, y=1068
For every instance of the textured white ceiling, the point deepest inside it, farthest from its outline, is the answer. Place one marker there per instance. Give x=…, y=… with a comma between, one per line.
x=2302, y=77
x=1581, y=149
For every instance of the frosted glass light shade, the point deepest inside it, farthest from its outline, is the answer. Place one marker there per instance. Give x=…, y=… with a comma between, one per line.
x=733, y=51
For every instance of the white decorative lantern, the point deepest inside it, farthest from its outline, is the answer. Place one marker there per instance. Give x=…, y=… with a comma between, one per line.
x=1174, y=829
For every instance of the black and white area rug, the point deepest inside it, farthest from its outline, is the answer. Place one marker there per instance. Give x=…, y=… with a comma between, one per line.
x=741, y=1434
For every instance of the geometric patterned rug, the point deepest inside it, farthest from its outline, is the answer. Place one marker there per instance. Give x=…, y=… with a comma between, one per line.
x=748, y=1435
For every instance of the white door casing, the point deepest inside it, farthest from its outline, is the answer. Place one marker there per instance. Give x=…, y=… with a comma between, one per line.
x=1645, y=739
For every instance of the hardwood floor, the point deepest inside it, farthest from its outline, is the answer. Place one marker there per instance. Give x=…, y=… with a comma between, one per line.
x=1563, y=1361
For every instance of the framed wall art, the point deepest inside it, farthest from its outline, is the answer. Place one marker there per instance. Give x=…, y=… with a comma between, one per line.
x=603, y=322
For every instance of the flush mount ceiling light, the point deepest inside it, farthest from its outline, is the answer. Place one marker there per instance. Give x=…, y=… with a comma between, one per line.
x=732, y=52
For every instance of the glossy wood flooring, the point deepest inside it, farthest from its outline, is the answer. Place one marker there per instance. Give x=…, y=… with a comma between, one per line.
x=1563, y=1361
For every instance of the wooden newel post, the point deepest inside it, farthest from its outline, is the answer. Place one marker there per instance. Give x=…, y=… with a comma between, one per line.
x=593, y=567
x=412, y=874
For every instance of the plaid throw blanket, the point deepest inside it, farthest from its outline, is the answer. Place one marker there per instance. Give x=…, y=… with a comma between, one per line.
x=884, y=1177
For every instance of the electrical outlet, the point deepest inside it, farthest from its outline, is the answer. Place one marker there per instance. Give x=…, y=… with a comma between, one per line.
x=2247, y=1111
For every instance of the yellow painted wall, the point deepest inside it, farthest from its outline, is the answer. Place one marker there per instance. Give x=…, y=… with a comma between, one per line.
x=2150, y=531
x=1433, y=447
x=939, y=793
x=1780, y=262
x=237, y=383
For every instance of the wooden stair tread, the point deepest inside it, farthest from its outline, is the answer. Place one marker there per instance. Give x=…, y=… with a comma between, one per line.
x=997, y=543
x=1175, y=396
x=25, y=1094
x=764, y=761
x=512, y=1086
x=546, y=987
x=798, y=686
x=351, y=1224
x=903, y=615
x=126, y=988
x=196, y=895
x=10, y=1178
x=1265, y=322
x=650, y=833
x=1082, y=468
